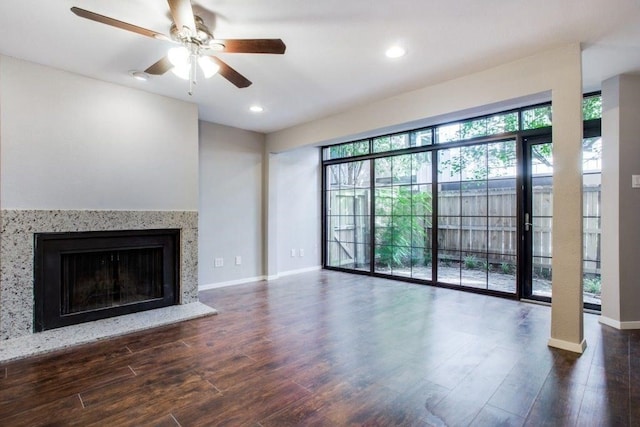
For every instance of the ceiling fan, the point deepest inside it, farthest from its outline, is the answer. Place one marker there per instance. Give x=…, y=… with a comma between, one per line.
x=196, y=43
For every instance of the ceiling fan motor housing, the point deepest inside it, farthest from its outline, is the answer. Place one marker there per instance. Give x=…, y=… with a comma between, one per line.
x=202, y=36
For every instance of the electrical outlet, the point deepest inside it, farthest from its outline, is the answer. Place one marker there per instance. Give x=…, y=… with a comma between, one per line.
x=218, y=262
x=301, y=252
x=293, y=252
x=238, y=260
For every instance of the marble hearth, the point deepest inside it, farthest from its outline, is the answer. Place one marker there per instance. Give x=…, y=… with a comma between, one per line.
x=17, y=254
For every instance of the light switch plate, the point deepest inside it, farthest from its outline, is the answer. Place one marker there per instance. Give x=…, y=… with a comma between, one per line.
x=635, y=181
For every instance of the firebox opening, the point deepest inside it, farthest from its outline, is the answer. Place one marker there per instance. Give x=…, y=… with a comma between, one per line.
x=85, y=276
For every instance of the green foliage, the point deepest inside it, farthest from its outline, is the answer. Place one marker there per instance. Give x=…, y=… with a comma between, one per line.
x=477, y=162
x=347, y=150
x=592, y=107
x=470, y=262
x=592, y=285
x=403, y=229
x=538, y=117
x=506, y=268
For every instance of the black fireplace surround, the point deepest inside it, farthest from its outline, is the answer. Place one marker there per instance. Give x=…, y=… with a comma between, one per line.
x=85, y=276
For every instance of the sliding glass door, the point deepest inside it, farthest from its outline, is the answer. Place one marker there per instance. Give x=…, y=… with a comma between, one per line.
x=348, y=218
x=477, y=208
x=538, y=218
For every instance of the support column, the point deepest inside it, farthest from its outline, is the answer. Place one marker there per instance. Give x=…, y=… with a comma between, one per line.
x=621, y=202
x=567, y=331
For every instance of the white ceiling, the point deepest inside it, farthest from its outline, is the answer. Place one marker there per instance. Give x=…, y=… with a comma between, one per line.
x=335, y=48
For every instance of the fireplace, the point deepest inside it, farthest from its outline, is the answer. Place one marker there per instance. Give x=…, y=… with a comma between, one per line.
x=86, y=276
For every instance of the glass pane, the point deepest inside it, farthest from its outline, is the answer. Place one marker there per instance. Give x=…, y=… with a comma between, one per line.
x=421, y=263
x=474, y=234
x=592, y=107
x=502, y=273
x=541, y=276
x=361, y=147
x=542, y=160
x=592, y=155
x=393, y=259
x=448, y=133
x=474, y=198
x=449, y=165
x=384, y=200
x=401, y=169
x=449, y=267
x=501, y=159
x=591, y=210
x=473, y=163
x=502, y=237
x=384, y=230
x=340, y=151
x=449, y=233
x=345, y=200
x=541, y=236
x=332, y=176
x=333, y=254
x=399, y=141
x=473, y=128
x=542, y=214
x=474, y=269
x=390, y=142
x=421, y=201
x=421, y=168
x=535, y=118
x=502, y=123
x=502, y=198
x=383, y=171
x=362, y=257
x=421, y=137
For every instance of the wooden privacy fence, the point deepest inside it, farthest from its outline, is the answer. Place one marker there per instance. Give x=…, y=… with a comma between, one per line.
x=483, y=221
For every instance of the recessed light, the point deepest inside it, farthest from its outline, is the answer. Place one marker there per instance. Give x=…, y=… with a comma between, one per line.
x=256, y=109
x=139, y=75
x=395, y=52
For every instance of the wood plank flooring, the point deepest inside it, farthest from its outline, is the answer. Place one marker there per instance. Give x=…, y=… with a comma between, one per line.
x=333, y=349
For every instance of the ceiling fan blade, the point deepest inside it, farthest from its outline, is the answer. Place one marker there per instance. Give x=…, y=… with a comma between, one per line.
x=182, y=14
x=230, y=74
x=116, y=23
x=275, y=46
x=162, y=66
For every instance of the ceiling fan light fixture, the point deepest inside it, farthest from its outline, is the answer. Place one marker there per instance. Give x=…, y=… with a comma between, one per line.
x=208, y=66
x=179, y=56
x=182, y=71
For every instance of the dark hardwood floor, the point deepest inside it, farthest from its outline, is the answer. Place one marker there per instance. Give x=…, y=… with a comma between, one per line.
x=332, y=349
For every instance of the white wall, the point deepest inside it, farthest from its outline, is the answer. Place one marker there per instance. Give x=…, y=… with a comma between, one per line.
x=298, y=215
x=71, y=142
x=230, y=220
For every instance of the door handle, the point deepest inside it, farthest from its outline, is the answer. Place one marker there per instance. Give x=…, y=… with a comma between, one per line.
x=527, y=224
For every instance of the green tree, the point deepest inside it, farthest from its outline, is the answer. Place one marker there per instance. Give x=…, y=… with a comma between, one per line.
x=405, y=228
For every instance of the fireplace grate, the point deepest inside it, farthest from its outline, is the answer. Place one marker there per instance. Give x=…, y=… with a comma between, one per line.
x=87, y=276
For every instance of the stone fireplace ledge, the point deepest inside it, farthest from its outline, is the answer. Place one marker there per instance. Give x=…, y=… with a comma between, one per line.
x=57, y=339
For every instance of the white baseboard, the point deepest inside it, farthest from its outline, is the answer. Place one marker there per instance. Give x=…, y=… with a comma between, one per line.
x=619, y=325
x=294, y=272
x=569, y=346
x=230, y=283
x=257, y=279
